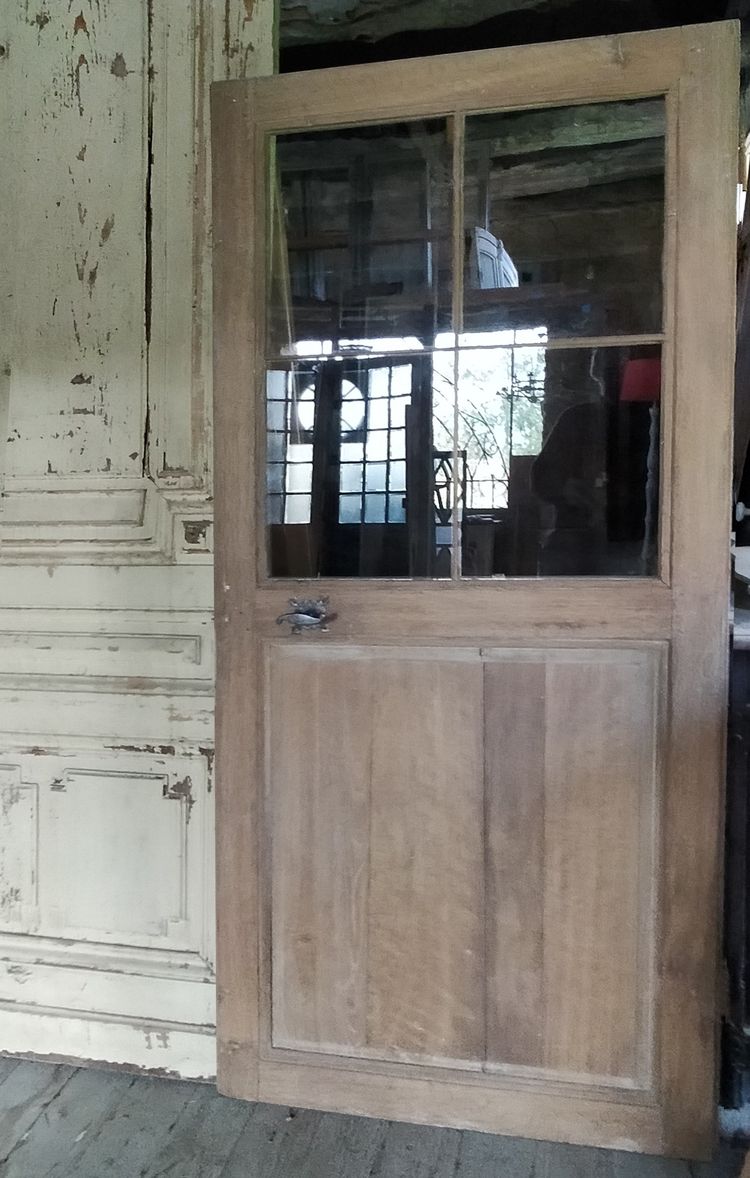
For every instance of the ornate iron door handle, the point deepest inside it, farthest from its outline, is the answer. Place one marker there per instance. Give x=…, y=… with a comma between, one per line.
x=307, y=614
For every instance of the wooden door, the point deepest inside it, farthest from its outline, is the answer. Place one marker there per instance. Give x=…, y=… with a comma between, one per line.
x=468, y=832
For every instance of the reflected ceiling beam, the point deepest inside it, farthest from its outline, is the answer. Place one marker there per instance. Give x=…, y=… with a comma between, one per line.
x=309, y=22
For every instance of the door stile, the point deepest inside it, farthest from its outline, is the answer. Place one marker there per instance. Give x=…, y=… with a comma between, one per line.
x=707, y=138
x=235, y=350
x=457, y=130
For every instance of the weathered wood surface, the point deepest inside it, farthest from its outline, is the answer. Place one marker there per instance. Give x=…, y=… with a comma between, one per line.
x=56, y=1122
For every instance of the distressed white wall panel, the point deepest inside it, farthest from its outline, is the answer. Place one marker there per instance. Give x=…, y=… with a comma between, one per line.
x=95, y=645
x=174, y=987
x=77, y=389
x=126, y=834
x=102, y=587
x=18, y=848
x=119, y=721
x=106, y=654
x=114, y=848
x=168, y=1048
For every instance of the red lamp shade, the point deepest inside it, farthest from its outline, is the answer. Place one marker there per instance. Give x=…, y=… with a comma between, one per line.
x=641, y=380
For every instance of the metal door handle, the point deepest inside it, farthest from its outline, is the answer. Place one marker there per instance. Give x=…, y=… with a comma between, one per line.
x=307, y=614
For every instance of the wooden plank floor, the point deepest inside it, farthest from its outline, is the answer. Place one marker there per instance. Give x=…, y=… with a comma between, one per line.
x=58, y=1121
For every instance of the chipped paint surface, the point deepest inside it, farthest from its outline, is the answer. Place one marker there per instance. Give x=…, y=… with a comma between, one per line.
x=106, y=658
x=77, y=240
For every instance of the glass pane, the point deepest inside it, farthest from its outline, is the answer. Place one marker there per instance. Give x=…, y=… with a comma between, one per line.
x=351, y=477
x=362, y=248
x=396, y=509
x=558, y=460
x=299, y=477
x=297, y=509
x=376, y=476
x=275, y=478
x=374, y=509
x=377, y=416
x=564, y=222
x=377, y=445
x=367, y=507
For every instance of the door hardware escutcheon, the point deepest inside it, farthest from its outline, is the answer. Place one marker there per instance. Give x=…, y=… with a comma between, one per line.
x=307, y=614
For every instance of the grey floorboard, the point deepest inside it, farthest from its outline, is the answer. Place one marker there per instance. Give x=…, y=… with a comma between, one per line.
x=483, y=1156
x=344, y=1147
x=30, y=1089
x=56, y=1122
x=274, y=1143
x=416, y=1151
x=59, y=1136
x=202, y=1139
x=124, y=1142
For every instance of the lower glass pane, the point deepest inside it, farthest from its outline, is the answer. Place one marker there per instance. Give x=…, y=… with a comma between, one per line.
x=483, y=462
x=558, y=456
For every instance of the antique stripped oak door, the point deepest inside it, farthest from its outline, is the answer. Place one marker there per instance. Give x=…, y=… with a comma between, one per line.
x=473, y=366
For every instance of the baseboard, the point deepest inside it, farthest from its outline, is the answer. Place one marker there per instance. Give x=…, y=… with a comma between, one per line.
x=139, y=1045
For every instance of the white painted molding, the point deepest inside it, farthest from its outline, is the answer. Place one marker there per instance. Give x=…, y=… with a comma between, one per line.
x=104, y=520
x=113, y=650
x=107, y=979
x=165, y=1048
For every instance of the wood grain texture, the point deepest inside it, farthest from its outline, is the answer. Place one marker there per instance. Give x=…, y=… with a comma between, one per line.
x=320, y=732
x=375, y=787
x=426, y=895
x=514, y=761
x=572, y=746
x=701, y=387
x=594, y=69
x=600, y=769
x=237, y=752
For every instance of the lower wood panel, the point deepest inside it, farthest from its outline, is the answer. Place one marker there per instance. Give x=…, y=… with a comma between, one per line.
x=572, y=746
x=377, y=883
x=462, y=856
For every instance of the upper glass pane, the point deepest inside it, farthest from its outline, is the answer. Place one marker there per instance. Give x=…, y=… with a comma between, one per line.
x=363, y=247
x=564, y=220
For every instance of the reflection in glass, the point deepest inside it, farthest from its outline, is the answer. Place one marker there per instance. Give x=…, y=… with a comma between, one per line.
x=564, y=219
x=521, y=438
x=538, y=461
x=363, y=245
x=558, y=454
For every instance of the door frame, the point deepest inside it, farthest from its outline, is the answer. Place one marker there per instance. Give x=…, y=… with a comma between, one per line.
x=697, y=69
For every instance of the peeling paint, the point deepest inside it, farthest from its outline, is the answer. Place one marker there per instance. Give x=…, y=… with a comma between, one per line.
x=81, y=379
x=107, y=228
x=181, y=791
x=82, y=64
x=41, y=19
x=21, y=973
x=196, y=531
x=118, y=67
x=80, y=25
x=161, y=1038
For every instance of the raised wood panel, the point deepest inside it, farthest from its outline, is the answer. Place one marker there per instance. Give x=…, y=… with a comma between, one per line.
x=426, y=888
x=319, y=780
x=375, y=797
x=573, y=761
